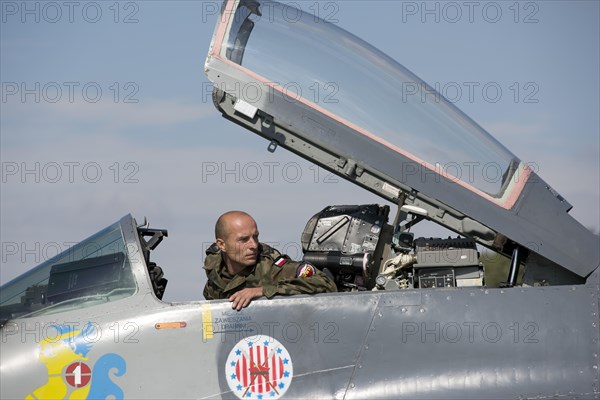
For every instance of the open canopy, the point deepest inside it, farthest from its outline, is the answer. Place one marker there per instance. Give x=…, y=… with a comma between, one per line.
x=317, y=90
x=314, y=62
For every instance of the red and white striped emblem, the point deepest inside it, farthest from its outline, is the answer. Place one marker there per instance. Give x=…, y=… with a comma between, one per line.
x=280, y=262
x=259, y=368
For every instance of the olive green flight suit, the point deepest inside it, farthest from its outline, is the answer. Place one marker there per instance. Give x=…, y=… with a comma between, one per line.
x=276, y=274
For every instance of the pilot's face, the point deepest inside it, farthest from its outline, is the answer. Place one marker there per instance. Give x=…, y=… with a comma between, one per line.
x=240, y=245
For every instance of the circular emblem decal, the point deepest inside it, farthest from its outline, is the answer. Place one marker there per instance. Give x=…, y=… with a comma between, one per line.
x=78, y=374
x=259, y=367
x=305, y=270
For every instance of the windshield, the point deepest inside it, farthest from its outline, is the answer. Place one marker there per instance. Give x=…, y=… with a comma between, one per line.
x=329, y=69
x=95, y=270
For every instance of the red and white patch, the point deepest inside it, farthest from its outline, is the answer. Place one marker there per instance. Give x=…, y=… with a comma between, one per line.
x=305, y=270
x=280, y=262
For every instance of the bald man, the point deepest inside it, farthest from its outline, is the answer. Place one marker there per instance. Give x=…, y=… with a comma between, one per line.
x=240, y=268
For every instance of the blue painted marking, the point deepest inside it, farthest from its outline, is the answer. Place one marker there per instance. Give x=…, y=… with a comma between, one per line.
x=102, y=386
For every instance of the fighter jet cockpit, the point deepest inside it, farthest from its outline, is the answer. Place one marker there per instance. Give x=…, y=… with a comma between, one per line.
x=415, y=315
x=364, y=252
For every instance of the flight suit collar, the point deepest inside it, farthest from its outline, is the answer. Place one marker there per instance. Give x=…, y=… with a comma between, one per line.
x=218, y=273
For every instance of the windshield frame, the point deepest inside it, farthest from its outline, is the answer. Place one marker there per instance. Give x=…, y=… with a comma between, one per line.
x=134, y=268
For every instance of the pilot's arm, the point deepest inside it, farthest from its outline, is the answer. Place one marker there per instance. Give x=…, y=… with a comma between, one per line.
x=290, y=277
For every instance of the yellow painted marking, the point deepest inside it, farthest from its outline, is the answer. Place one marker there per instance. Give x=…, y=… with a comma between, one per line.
x=57, y=354
x=207, y=322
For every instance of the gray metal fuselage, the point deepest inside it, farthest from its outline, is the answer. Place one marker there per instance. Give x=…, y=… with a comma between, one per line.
x=423, y=343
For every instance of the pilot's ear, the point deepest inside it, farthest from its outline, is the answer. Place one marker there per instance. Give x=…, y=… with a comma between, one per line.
x=221, y=245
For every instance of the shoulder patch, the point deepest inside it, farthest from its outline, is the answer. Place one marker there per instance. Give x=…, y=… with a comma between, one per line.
x=305, y=270
x=280, y=262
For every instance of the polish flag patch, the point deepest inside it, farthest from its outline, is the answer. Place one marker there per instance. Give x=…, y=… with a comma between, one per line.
x=280, y=262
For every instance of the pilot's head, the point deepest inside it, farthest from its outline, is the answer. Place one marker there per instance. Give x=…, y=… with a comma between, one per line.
x=236, y=236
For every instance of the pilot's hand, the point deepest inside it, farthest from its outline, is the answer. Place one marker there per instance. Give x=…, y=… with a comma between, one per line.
x=242, y=298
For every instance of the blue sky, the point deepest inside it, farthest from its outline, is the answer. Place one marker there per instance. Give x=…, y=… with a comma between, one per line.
x=107, y=106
